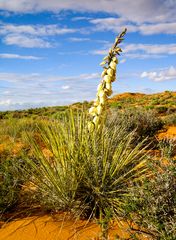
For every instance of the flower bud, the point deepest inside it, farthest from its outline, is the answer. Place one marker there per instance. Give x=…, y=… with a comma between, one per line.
x=99, y=109
x=109, y=92
x=96, y=102
x=114, y=59
x=110, y=72
x=96, y=120
x=106, y=58
x=113, y=78
x=92, y=110
x=103, y=100
x=107, y=78
x=118, y=49
x=108, y=86
x=102, y=63
x=100, y=87
x=113, y=65
x=101, y=93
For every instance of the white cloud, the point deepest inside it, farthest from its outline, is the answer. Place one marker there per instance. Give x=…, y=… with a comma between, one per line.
x=81, y=18
x=146, y=17
x=75, y=39
x=149, y=29
x=123, y=60
x=99, y=52
x=143, y=56
x=65, y=87
x=35, y=30
x=151, y=48
x=142, y=51
x=6, y=92
x=17, y=56
x=108, y=24
x=6, y=102
x=31, y=36
x=15, y=77
x=115, y=25
x=26, y=41
x=161, y=75
x=138, y=11
x=145, y=51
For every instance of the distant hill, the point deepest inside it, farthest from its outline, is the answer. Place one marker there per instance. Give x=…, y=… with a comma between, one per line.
x=138, y=96
x=161, y=102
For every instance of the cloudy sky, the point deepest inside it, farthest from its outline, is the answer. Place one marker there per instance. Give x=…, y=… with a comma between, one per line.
x=50, y=50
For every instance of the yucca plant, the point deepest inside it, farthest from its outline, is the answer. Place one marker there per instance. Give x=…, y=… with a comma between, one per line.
x=55, y=176
x=87, y=173
x=91, y=168
x=110, y=170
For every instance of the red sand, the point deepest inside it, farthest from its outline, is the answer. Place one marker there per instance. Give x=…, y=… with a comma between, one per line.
x=48, y=228
x=170, y=132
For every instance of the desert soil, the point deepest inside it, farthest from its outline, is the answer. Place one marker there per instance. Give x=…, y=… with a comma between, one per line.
x=168, y=132
x=59, y=228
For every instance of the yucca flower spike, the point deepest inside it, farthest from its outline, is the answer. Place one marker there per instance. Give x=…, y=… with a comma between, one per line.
x=104, y=89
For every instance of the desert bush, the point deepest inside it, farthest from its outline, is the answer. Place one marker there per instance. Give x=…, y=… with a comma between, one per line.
x=170, y=119
x=161, y=109
x=144, y=123
x=117, y=105
x=155, y=102
x=167, y=147
x=10, y=184
x=15, y=127
x=150, y=107
x=153, y=205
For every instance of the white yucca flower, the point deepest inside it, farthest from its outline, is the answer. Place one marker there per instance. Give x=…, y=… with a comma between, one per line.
x=104, y=89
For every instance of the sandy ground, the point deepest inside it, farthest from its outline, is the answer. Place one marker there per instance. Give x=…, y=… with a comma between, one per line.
x=169, y=132
x=49, y=228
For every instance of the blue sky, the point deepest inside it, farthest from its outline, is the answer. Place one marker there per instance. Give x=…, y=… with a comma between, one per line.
x=50, y=50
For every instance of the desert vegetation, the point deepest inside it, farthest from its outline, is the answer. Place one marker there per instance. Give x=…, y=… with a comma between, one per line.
x=101, y=161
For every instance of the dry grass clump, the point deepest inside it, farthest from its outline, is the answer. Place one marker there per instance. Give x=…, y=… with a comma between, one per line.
x=90, y=173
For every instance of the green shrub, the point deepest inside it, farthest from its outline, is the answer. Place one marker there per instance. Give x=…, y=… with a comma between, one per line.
x=116, y=105
x=167, y=147
x=155, y=102
x=153, y=206
x=149, y=107
x=161, y=109
x=170, y=119
x=10, y=184
x=15, y=127
x=144, y=123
